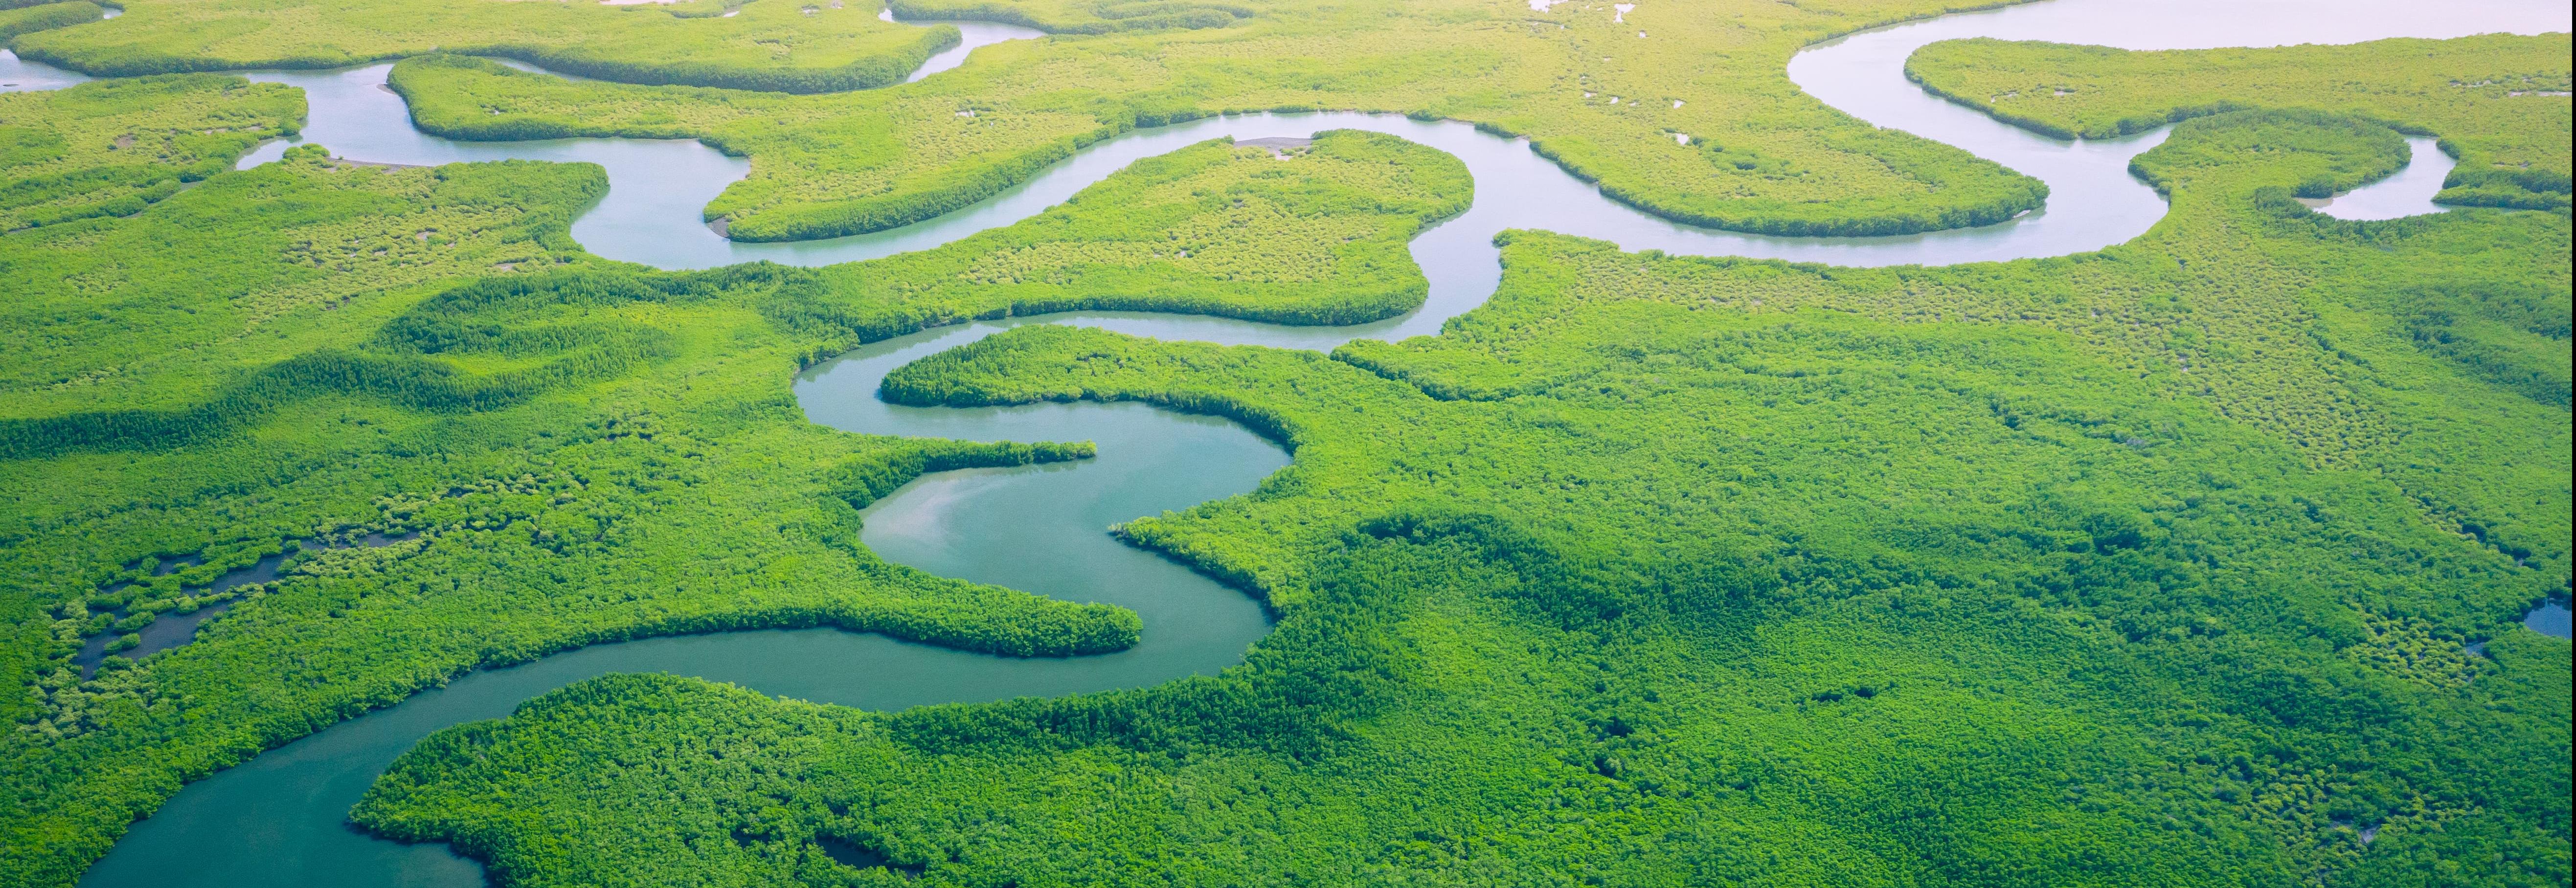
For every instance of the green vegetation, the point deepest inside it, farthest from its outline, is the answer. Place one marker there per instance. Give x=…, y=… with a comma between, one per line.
x=1659, y=570
x=2499, y=102
x=780, y=45
x=16, y=20
x=111, y=148
x=1318, y=239
x=591, y=452
x=164, y=308
x=2163, y=565
x=1316, y=236
x=1589, y=93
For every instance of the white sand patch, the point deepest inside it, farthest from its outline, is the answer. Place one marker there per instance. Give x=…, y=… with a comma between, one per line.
x=1681, y=138
x=1542, y=5
x=636, y=2
x=1677, y=103
x=1619, y=12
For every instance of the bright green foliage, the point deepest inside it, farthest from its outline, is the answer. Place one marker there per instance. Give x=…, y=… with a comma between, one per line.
x=161, y=309
x=2498, y=101
x=1318, y=238
x=1314, y=236
x=542, y=494
x=591, y=452
x=111, y=148
x=1703, y=572
x=30, y=18
x=1589, y=93
x=800, y=46
x=2151, y=566
x=2432, y=350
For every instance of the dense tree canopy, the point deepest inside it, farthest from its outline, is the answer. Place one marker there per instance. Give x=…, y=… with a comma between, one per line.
x=1761, y=155
x=1665, y=570
x=774, y=46
x=2196, y=560
x=315, y=348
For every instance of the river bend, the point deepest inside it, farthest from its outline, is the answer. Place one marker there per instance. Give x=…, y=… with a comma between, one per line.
x=280, y=818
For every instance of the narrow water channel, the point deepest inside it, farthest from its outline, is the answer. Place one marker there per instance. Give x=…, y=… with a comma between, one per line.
x=972, y=35
x=280, y=819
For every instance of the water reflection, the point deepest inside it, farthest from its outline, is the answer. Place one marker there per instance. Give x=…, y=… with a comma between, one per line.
x=2408, y=193
x=23, y=76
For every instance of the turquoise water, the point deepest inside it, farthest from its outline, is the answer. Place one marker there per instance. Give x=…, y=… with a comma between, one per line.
x=279, y=819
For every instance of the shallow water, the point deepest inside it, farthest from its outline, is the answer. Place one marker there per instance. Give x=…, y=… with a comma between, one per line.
x=173, y=629
x=972, y=34
x=658, y=188
x=2549, y=619
x=21, y=76
x=2408, y=193
x=278, y=820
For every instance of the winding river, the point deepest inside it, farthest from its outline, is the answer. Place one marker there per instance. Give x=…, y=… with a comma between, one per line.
x=279, y=820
